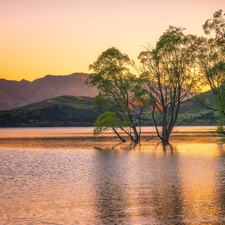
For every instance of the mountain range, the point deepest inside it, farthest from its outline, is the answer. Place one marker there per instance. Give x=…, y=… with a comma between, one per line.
x=15, y=94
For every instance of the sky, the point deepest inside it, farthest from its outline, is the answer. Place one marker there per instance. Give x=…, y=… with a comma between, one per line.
x=61, y=37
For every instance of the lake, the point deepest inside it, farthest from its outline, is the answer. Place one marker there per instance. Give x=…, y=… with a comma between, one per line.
x=63, y=183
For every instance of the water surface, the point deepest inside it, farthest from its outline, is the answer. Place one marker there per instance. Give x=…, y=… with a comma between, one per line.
x=70, y=131
x=144, y=185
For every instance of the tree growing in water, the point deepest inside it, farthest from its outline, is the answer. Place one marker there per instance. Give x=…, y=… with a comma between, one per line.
x=210, y=58
x=115, y=84
x=168, y=78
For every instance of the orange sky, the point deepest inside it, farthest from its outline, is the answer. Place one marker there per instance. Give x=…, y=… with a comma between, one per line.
x=60, y=37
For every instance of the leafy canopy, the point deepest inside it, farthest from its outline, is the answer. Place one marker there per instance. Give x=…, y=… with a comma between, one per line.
x=105, y=122
x=116, y=86
x=168, y=76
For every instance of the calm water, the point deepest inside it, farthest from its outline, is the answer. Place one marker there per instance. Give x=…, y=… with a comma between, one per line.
x=90, y=186
x=66, y=131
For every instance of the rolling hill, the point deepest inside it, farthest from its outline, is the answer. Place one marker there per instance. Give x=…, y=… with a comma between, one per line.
x=191, y=113
x=71, y=110
x=65, y=110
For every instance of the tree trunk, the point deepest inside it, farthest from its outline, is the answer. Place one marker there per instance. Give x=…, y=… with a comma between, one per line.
x=165, y=136
x=118, y=135
x=165, y=141
x=137, y=137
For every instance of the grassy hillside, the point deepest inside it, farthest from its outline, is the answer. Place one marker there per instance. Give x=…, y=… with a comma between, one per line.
x=70, y=110
x=191, y=113
x=60, y=111
x=67, y=105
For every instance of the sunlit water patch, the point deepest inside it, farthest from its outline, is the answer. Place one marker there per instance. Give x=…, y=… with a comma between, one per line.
x=146, y=185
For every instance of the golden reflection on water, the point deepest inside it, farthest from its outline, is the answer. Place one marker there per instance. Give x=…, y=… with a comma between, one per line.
x=199, y=181
x=106, y=141
x=80, y=179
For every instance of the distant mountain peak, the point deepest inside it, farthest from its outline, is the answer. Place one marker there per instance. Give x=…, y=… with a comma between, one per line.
x=23, y=80
x=46, y=87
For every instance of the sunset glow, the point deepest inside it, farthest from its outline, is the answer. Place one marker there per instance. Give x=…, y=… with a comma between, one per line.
x=62, y=37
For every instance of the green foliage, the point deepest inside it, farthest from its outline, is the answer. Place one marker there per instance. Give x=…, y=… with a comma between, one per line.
x=220, y=124
x=216, y=24
x=116, y=86
x=220, y=107
x=105, y=122
x=210, y=58
x=112, y=78
x=220, y=100
x=126, y=122
x=168, y=77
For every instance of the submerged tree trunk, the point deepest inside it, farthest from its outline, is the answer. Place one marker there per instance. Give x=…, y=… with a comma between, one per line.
x=136, y=135
x=165, y=135
x=118, y=135
x=165, y=141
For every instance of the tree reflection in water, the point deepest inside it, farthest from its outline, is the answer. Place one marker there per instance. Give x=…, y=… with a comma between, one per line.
x=113, y=183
